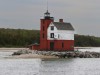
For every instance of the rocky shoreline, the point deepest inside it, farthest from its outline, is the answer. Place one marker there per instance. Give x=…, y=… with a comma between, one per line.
x=67, y=54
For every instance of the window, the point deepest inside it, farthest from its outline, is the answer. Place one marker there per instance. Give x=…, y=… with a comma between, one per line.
x=62, y=44
x=52, y=27
x=43, y=28
x=52, y=35
x=43, y=35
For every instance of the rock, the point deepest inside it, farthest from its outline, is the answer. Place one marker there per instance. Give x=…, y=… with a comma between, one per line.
x=66, y=54
x=16, y=53
x=22, y=52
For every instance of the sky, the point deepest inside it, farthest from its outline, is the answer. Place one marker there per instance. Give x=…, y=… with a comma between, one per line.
x=84, y=15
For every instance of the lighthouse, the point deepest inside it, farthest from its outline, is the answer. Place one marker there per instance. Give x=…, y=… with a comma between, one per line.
x=45, y=22
x=55, y=36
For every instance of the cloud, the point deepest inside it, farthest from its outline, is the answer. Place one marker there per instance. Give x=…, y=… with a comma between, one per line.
x=27, y=13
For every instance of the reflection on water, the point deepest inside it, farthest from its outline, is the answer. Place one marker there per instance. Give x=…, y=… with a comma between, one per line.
x=56, y=67
x=19, y=66
x=70, y=67
x=75, y=66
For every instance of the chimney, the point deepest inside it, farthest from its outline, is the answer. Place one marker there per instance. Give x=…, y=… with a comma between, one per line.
x=60, y=20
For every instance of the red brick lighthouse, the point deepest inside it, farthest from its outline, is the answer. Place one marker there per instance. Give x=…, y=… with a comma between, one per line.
x=55, y=36
x=43, y=31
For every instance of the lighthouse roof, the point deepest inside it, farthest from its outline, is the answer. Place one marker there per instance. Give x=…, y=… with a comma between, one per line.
x=47, y=12
x=63, y=26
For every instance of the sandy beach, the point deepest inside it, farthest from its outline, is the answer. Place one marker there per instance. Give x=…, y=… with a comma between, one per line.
x=28, y=56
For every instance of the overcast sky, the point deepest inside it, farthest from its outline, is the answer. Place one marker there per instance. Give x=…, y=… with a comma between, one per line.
x=84, y=15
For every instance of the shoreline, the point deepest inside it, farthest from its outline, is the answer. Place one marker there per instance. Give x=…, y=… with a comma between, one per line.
x=12, y=48
x=25, y=53
x=2, y=48
x=32, y=56
x=52, y=54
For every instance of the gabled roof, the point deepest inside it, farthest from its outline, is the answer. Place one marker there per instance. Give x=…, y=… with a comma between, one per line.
x=63, y=26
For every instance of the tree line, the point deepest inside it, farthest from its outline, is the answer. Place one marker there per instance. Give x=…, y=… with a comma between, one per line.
x=23, y=38
x=18, y=37
x=87, y=41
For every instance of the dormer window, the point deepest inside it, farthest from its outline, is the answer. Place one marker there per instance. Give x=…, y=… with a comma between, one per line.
x=52, y=27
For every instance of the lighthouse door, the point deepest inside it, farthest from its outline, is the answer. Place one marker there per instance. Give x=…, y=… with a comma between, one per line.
x=51, y=45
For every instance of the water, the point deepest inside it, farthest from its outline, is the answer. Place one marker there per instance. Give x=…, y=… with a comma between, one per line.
x=19, y=66
x=5, y=54
x=50, y=67
x=72, y=66
x=91, y=49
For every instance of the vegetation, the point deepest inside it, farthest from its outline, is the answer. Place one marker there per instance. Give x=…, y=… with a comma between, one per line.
x=18, y=37
x=23, y=38
x=87, y=41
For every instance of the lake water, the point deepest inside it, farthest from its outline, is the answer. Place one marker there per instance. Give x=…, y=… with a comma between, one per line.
x=75, y=66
